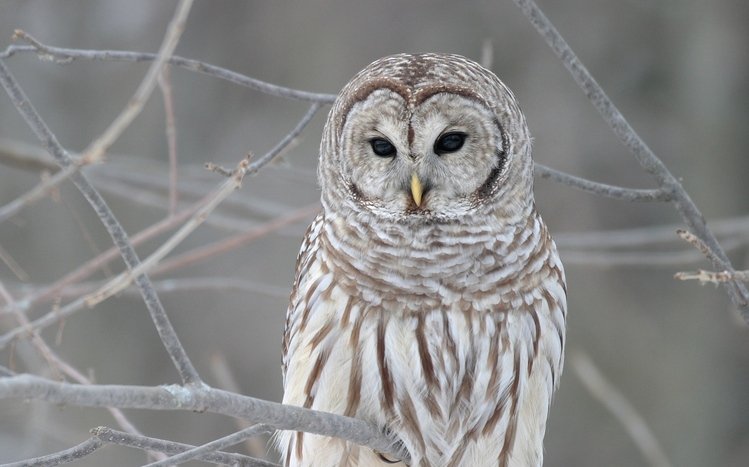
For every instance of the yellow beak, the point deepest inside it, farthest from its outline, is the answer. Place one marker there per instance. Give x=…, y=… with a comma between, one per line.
x=416, y=188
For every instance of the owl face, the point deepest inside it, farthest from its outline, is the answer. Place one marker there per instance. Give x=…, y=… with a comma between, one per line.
x=434, y=158
x=424, y=137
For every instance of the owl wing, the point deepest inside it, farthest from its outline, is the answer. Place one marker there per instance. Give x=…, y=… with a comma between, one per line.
x=306, y=256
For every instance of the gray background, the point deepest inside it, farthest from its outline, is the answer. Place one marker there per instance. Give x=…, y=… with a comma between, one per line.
x=677, y=69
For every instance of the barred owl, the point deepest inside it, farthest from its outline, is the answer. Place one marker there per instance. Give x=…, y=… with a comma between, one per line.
x=429, y=299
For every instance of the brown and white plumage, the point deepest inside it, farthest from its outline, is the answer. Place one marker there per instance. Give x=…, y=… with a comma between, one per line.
x=429, y=298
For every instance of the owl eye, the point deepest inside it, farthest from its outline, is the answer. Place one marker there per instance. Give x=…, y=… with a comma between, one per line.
x=449, y=142
x=382, y=147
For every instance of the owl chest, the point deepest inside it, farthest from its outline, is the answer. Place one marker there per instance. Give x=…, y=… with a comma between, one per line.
x=443, y=361
x=442, y=380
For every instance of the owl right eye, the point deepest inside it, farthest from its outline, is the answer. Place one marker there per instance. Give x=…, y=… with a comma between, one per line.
x=382, y=147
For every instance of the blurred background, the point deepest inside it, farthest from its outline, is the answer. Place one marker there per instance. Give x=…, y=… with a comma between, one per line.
x=679, y=70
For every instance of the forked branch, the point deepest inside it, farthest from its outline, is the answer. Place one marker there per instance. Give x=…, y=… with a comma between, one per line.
x=200, y=399
x=187, y=371
x=668, y=184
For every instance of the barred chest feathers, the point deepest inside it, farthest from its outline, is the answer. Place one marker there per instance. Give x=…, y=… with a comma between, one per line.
x=452, y=342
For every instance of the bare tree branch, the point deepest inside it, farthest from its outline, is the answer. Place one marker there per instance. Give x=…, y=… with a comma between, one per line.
x=639, y=258
x=622, y=410
x=94, y=264
x=227, y=188
x=288, y=139
x=62, y=457
x=103, y=435
x=200, y=398
x=734, y=227
x=119, y=236
x=60, y=365
x=224, y=376
x=187, y=284
x=697, y=242
x=645, y=157
x=101, y=144
x=12, y=264
x=65, y=55
x=126, y=278
x=37, y=193
x=25, y=156
x=197, y=254
x=165, y=84
x=227, y=244
x=221, y=443
x=596, y=188
x=713, y=277
x=96, y=150
x=108, y=435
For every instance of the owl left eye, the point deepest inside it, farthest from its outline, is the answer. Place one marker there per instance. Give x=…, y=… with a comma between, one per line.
x=449, y=142
x=382, y=147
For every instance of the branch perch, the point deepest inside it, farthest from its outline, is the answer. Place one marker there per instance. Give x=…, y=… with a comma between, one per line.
x=200, y=398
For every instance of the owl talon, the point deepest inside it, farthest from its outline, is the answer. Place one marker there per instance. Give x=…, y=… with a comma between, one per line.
x=386, y=459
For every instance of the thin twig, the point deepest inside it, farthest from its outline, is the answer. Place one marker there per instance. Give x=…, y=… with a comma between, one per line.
x=622, y=410
x=119, y=236
x=85, y=233
x=36, y=340
x=62, y=457
x=288, y=139
x=187, y=284
x=697, y=242
x=735, y=227
x=713, y=277
x=126, y=278
x=235, y=241
x=602, y=189
x=218, y=444
x=165, y=84
x=25, y=156
x=681, y=200
x=195, y=186
x=217, y=169
x=199, y=253
x=608, y=259
x=224, y=222
x=95, y=151
x=224, y=376
x=45, y=51
x=201, y=398
x=54, y=316
x=88, y=268
x=37, y=193
x=13, y=265
x=108, y=435
x=108, y=178
x=223, y=191
x=61, y=366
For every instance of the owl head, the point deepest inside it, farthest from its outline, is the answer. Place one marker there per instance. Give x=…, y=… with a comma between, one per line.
x=426, y=138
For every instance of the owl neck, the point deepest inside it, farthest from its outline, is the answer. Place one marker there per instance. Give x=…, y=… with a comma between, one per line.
x=422, y=258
